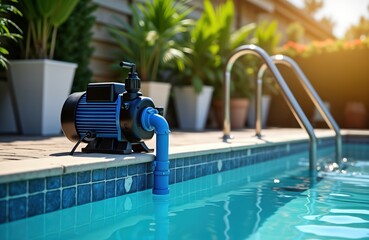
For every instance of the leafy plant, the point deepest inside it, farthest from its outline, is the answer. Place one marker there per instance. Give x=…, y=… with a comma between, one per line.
x=44, y=19
x=200, y=51
x=227, y=41
x=209, y=43
x=267, y=37
x=74, y=44
x=5, y=29
x=151, y=40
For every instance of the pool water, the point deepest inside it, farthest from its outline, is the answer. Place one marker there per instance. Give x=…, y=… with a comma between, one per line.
x=270, y=200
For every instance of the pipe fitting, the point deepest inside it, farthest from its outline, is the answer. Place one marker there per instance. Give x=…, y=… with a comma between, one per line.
x=151, y=120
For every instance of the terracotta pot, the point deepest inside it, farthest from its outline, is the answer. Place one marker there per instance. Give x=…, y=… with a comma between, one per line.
x=355, y=115
x=238, y=112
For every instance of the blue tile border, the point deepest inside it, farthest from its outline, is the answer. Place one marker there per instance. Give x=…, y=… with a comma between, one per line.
x=23, y=199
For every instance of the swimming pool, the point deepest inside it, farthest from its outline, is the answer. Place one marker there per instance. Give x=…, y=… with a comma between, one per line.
x=267, y=200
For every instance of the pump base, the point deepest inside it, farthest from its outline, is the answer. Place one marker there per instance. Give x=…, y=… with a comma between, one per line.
x=113, y=146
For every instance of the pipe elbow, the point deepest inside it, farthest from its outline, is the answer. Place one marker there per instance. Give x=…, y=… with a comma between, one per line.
x=151, y=120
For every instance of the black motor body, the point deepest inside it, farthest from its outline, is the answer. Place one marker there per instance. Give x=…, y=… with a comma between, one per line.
x=108, y=117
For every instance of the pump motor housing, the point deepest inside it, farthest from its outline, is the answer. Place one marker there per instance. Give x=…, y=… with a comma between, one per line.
x=106, y=119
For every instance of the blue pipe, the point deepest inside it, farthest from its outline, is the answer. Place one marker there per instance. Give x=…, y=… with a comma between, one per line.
x=151, y=120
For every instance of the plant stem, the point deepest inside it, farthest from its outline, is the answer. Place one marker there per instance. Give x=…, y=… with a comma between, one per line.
x=44, y=39
x=28, y=40
x=53, y=40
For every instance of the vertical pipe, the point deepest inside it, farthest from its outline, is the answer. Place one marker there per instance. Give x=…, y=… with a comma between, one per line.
x=227, y=122
x=150, y=120
x=259, y=94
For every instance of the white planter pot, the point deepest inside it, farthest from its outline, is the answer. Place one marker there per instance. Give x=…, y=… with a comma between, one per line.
x=251, y=118
x=158, y=92
x=40, y=88
x=192, y=108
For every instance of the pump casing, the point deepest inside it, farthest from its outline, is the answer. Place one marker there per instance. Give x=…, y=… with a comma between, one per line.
x=107, y=118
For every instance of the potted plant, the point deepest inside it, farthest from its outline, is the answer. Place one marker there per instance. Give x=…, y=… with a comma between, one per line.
x=267, y=37
x=150, y=43
x=41, y=84
x=7, y=26
x=226, y=41
x=193, y=83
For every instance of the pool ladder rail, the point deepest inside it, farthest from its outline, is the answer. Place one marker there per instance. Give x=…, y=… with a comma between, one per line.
x=269, y=63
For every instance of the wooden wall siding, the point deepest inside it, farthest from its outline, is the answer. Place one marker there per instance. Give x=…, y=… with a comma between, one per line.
x=111, y=12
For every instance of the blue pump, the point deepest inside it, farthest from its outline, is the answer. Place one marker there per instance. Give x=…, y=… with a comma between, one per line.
x=116, y=118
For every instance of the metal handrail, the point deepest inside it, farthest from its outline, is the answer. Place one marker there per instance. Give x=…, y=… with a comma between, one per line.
x=287, y=94
x=289, y=62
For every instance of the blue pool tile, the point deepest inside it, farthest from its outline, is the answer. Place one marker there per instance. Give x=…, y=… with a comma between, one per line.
x=192, y=172
x=69, y=197
x=69, y=179
x=17, y=208
x=141, y=168
x=3, y=190
x=17, y=188
x=186, y=173
x=186, y=162
x=226, y=165
x=36, y=185
x=242, y=162
x=149, y=167
x=134, y=185
x=214, y=167
x=53, y=182
x=98, y=175
x=3, y=211
x=237, y=163
x=52, y=201
x=172, y=176
x=110, y=189
x=120, y=187
x=150, y=180
x=141, y=182
x=179, y=175
x=98, y=191
x=198, y=159
x=111, y=173
x=36, y=204
x=198, y=170
x=132, y=170
x=206, y=169
x=122, y=171
x=84, y=177
x=231, y=164
x=83, y=194
x=179, y=162
x=172, y=163
x=193, y=161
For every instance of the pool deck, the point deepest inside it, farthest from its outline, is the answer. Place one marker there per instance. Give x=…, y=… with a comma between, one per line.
x=25, y=157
